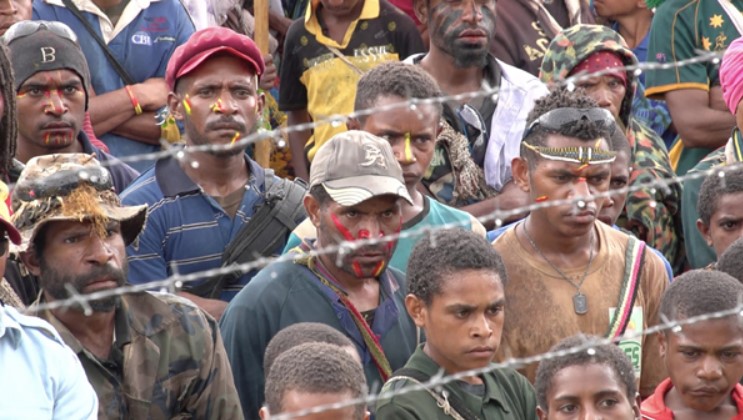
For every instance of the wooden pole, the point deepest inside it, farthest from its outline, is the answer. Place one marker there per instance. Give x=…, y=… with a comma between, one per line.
x=260, y=36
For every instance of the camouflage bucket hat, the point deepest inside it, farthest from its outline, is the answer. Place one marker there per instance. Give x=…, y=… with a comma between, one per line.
x=70, y=186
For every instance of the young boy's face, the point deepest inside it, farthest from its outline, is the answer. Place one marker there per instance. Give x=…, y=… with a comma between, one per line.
x=296, y=401
x=464, y=321
x=411, y=132
x=591, y=391
x=704, y=362
x=726, y=223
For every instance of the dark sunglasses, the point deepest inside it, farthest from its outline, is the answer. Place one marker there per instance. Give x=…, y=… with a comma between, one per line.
x=562, y=118
x=28, y=27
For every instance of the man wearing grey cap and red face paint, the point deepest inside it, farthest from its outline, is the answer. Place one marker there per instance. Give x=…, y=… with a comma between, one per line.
x=200, y=203
x=356, y=189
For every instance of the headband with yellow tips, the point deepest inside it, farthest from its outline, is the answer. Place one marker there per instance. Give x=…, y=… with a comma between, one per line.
x=585, y=155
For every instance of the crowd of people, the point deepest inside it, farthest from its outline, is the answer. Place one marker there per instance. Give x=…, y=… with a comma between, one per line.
x=520, y=209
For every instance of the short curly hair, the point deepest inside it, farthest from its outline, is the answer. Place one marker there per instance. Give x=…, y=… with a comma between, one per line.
x=300, y=333
x=562, y=97
x=731, y=261
x=442, y=253
x=395, y=79
x=715, y=186
x=700, y=292
x=318, y=368
x=603, y=354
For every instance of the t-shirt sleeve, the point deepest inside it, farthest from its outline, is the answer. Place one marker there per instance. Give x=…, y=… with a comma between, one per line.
x=146, y=254
x=292, y=94
x=674, y=25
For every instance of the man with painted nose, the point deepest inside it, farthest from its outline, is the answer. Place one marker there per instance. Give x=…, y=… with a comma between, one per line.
x=340, y=277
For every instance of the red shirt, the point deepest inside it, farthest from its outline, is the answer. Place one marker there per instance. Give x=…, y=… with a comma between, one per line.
x=654, y=408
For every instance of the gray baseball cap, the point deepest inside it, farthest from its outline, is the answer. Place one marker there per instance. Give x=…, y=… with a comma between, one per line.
x=355, y=166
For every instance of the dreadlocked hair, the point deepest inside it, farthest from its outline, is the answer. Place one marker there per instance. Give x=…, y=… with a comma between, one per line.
x=9, y=122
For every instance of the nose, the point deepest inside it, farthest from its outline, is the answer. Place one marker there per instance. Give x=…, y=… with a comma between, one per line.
x=581, y=189
x=710, y=369
x=369, y=228
x=224, y=105
x=472, y=12
x=99, y=250
x=482, y=327
x=7, y=7
x=602, y=96
x=56, y=104
x=590, y=413
x=404, y=151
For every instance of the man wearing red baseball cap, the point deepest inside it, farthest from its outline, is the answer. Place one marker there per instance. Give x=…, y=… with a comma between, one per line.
x=201, y=201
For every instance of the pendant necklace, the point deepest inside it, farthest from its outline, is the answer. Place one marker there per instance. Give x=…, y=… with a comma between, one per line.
x=580, y=302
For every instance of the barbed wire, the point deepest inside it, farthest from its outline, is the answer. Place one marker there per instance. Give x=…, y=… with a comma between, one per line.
x=336, y=120
x=175, y=281
x=439, y=380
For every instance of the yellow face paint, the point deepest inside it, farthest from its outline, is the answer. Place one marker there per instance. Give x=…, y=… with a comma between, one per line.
x=235, y=137
x=408, y=151
x=217, y=106
x=187, y=105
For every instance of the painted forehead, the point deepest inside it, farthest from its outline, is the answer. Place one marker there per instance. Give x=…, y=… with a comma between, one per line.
x=584, y=155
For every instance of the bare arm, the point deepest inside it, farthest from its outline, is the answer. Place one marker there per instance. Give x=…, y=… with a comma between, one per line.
x=140, y=127
x=698, y=118
x=113, y=111
x=213, y=307
x=297, y=141
x=510, y=197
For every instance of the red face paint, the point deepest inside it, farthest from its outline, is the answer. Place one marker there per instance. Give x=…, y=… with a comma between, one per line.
x=363, y=234
x=582, y=179
x=541, y=198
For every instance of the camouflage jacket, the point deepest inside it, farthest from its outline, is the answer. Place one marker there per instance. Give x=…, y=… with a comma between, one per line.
x=652, y=213
x=167, y=362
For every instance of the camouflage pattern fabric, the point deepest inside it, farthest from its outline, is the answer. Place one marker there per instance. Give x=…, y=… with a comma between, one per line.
x=172, y=362
x=652, y=214
x=453, y=178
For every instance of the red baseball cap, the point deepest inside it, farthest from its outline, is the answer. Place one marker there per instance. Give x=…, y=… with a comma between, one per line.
x=207, y=42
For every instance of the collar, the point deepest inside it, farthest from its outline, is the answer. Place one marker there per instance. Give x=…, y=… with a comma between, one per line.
x=313, y=26
x=88, y=147
x=9, y=326
x=422, y=362
x=174, y=181
x=108, y=30
x=420, y=216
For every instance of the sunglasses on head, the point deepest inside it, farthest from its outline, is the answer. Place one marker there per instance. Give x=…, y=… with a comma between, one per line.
x=563, y=118
x=28, y=27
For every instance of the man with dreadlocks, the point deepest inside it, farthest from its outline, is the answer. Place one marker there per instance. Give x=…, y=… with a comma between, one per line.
x=570, y=274
x=146, y=355
x=9, y=168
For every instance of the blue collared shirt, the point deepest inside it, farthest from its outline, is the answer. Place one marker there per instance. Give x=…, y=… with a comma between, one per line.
x=186, y=230
x=42, y=377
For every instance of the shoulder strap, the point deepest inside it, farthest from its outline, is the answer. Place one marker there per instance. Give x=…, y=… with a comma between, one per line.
x=733, y=13
x=125, y=77
x=281, y=212
x=633, y=261
x=449, y=402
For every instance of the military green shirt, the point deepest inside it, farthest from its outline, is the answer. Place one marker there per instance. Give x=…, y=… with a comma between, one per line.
x=167, y=361
x=507, y=395
x=680, y=29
